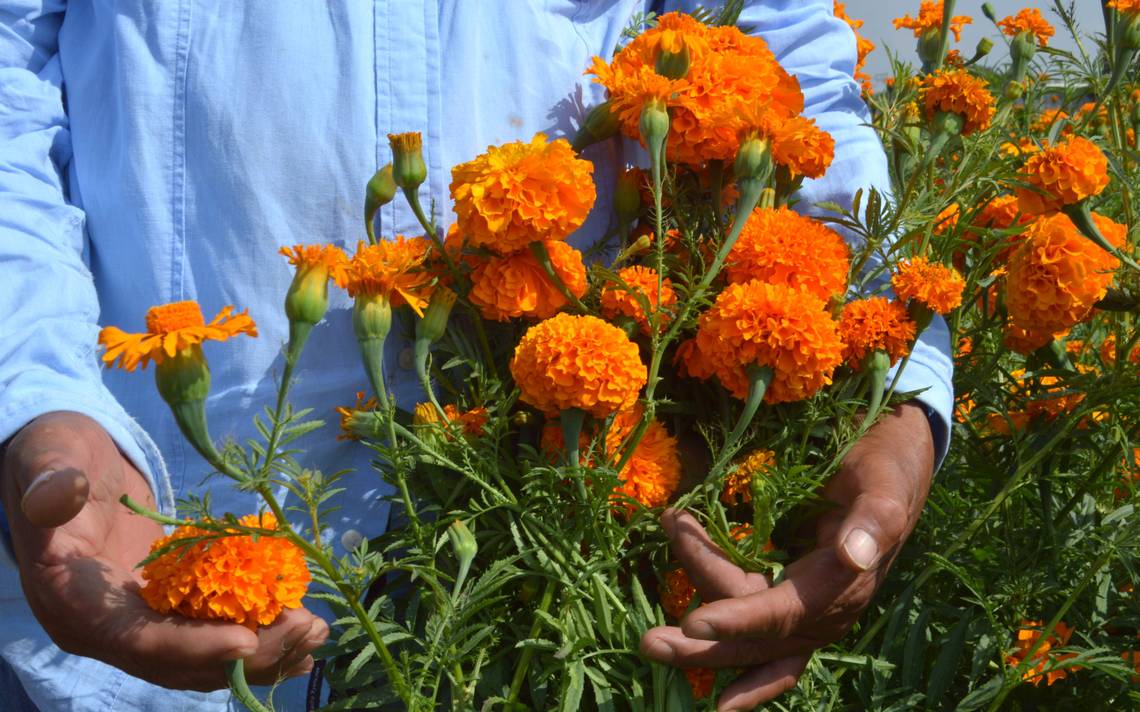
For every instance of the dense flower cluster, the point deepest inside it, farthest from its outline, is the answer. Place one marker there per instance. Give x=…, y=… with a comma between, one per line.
x=233, y=577
x=780, y=246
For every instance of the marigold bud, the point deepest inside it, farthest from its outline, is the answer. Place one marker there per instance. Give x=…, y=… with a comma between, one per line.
x=380, y=190
x=655, y=127
x=753, y=160
x=371, y=322
x=600, y=124
x=627, y=197
x=929, y=47
x=308, y=297
x=408, y=168
x=673, y=65
x=988, y=11
x=183, y=377
x=434, y=323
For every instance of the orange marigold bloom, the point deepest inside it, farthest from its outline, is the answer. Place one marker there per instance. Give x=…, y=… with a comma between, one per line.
x=349, y=413
x=728, y=70
x=1044, y=122
x=393, y=269
x=1127, y=7
x=875, y=324
x=738, y=482
x=629, y=300
x=170, y=328
x=578, y=362
x=947, y=220
x=802, y=147
x=780, y=246
x=1057, y=274
x=935, y=286
x=472, y=422
x=677, y=593
x=1025, y=341
x=520, y=192
x=930, y=18
x=329, y=258
x=232, y=578
x=956, y=91
x=775, y=326
x=514, y=286
x=863, y=46
x=1044, y=656
x=1028, y=20
x=1065, y=174
x=691, y=363
x=701, y=681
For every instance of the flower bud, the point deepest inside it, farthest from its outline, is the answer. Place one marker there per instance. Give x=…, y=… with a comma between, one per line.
x=753, y=160
x=408, y=168
x=655, y=128
x=371, y=322
x=308, y=297
x=984, y=47
x=183, y=381
x=1130, y=31
x=434, y=324
x=1023, y=47
x=380, y=191
x=627, y=197
x=988, y=11
x=930, y=47
x=600, y=124
x=673, y=65
x=464, y=546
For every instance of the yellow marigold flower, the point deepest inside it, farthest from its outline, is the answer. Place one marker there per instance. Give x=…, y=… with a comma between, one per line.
x=780, y=246
x=1044, y=656
x=520, y=193
x=1028, y=20
x=231, y=578
x=775, y=326
x=1057, y=275
x=956, y=91
x=578, y=362
x=930, y=18
x=514, y=286
x=701, y=681
x=935, y=286
x=628, y=300
x=875, y=324
x=1065, y=174
x=393, y=269
x=171, y=328
x=801, y=147
x=350, y=416
x=738, y=482
x=677, y=593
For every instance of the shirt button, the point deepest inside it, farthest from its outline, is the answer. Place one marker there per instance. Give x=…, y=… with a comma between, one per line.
x=351, y=539
x=405, y=359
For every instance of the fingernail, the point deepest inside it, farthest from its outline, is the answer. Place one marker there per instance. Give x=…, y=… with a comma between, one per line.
x=660, y=651
x=39, y=481
x=241, y=653
x=699, y=630
x=861, y=549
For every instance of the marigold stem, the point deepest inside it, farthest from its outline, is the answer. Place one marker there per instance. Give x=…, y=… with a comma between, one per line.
x=759, y=378
x=235, y=674
x=538, y=249
x=528, y=653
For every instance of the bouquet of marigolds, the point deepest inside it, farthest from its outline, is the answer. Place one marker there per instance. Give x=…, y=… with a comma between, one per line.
x=720, y=352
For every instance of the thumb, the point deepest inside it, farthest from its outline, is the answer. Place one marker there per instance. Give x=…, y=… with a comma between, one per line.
x=874, y=526
x=46, y=465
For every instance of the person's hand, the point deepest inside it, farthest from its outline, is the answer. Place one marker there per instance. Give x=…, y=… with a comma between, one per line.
x=77, y=547
x=771, y=631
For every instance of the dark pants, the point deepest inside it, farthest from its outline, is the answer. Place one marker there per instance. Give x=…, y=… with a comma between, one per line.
x=12, y=695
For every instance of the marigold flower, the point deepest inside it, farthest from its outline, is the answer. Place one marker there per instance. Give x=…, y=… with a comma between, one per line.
x=473, y=422
x=756, y=324
x=391, y=269
x=1057, y=275
x=520, y=193
x=1025, y=341
x=1126, y=7
x=930, y=19
x=307, y=299
x=935, y=286
x=170, y=329
x=1044, y=656
x=947, y=220
x=578, y=362
x=677, y=593
x=802, y=147
x=514, y=286
x=628, y=300
x=1064, y=174
x=1028, y=20
x=738, y=482
x=875, y=324
x=1044, y=122
x=350, y=416
x=691, y=362
x=863, y=47
x=701, y=681
x=956, y=91
x=232, y=578
x=780, y=246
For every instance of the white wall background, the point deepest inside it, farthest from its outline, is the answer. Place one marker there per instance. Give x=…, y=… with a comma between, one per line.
x=878, y=28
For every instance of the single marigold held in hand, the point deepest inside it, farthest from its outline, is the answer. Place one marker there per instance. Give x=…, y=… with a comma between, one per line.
x=1057, y=274
x=1045, y=663
x=1064, y=174
x=578, y=362
x=677, y=593
x=780, y=246
x=933, y=285
x=738, y=482
x=171, y=328
x=231, y=578
x=629, y=300
x=392, y=269
x=930, y=19
x=1028, y=20
x=756, y=324
x=956, y=91
x=875, y=324
x=520, y=193
x=516, y=285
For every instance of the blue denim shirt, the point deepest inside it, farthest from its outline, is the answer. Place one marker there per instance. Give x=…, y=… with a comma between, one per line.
x=158, y=151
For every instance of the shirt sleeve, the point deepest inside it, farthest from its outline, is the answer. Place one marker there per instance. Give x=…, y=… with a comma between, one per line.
x=819, y=50
x=48, y=327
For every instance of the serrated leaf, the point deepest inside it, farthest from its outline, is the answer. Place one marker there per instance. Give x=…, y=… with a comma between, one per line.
x=947, y=662
x=575, y=682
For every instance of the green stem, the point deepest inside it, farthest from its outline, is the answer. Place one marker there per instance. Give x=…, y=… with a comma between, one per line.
x=235, y=674
x=528, y=653
x=413, y=197
x=944, y=32
x=759, y=378
x=1082, y=217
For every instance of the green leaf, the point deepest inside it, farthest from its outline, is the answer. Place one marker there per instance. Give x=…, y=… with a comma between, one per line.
x=572, y=695
x=357, y=662
x=913, y=650
x=943, y=673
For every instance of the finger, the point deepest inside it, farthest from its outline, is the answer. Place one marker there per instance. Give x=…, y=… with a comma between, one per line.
x=813, y=584
x=48, y=464
x=284, y=644
x=762, y=684
x=670, y=646
x=878, y=520
x=713, y=574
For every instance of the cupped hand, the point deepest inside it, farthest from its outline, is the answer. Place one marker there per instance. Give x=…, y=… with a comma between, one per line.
x=77, y=548
x=772, y=630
